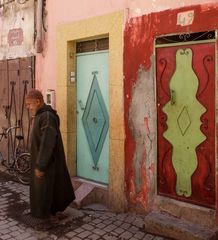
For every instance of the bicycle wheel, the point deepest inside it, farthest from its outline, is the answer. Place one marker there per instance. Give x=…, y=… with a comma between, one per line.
x=23, y=168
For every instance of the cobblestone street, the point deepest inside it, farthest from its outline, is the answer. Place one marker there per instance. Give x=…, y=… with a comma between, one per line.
x=92, y=223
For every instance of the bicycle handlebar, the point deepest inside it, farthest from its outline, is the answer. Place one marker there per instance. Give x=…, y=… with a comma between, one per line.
x=6, y=131
x=10, y=129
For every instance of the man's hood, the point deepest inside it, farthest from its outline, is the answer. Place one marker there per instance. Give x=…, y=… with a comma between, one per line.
x=48, y=108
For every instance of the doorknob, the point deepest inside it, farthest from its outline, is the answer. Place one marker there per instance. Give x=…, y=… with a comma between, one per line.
x=95, y=120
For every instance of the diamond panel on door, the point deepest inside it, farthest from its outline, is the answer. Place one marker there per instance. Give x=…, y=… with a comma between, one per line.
x=92, y=116
x=95, y=120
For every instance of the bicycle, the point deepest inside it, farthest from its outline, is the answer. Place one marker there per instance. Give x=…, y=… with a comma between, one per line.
x=20, y=164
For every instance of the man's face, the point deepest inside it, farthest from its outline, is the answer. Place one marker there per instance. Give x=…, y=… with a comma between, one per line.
x=32, y=104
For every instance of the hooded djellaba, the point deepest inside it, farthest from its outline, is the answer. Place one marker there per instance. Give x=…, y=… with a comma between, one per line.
x=52, y=192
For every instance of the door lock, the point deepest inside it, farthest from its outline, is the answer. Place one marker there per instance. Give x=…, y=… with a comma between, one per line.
x=81, y=105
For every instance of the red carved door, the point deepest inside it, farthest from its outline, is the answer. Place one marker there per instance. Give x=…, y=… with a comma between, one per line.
x=186, y=122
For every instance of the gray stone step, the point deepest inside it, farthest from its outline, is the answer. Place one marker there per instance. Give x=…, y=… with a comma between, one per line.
x=168, y=226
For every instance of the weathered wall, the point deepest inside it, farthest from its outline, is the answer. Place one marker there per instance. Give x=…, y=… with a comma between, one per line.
x=139, y=87
x=67, y=11
x=139, y=79
x=141, y=122
x=17, y=30
x=141, y=7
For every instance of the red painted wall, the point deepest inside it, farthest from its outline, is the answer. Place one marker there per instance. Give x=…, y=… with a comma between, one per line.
x=139, y=37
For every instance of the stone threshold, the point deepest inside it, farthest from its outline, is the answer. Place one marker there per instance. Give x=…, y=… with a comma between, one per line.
x=88, y=192
x=178, y=229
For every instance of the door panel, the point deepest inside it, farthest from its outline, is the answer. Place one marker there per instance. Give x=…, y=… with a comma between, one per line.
x=25, y=83
x=92, y=116
x=4, y=107
x=3, y=92
x=16, y=77
x=186, y=118
x=14, y=90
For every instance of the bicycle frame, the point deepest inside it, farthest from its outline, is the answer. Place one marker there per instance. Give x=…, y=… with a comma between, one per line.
x=20, y=164
x=6, y=134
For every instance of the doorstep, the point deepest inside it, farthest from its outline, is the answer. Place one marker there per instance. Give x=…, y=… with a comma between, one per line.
x=88, y=192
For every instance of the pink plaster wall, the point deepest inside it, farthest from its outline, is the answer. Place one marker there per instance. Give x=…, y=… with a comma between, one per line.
x=71, y=10
x=62, y=12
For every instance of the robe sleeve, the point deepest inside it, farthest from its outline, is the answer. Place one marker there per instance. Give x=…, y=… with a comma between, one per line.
x=48, y=127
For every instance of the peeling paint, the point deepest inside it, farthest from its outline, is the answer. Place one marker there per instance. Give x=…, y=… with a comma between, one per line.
x=142, y=125
x=12, y=17
x=140, y=111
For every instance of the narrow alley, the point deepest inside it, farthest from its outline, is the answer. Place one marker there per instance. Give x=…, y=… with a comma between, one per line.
x=119, y=98
x=91, y=223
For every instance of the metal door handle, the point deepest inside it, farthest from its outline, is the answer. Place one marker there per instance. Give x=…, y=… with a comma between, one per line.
x=173, y=97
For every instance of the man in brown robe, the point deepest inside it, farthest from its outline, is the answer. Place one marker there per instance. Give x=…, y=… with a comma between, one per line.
x=51, y=189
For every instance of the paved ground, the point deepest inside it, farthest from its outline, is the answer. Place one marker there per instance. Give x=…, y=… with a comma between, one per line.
x=92, y=223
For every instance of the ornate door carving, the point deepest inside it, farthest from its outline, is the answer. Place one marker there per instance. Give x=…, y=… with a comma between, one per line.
x=186, y=122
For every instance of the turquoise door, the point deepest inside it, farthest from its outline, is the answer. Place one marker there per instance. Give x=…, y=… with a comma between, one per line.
x=92, y=116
